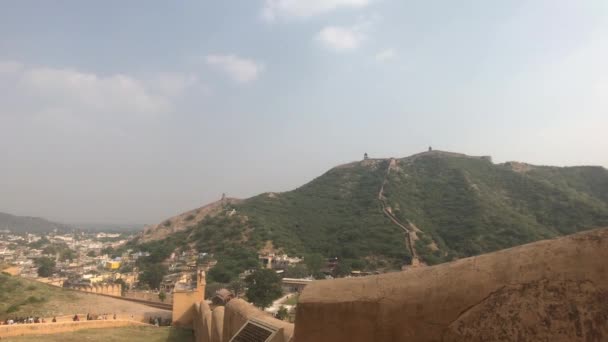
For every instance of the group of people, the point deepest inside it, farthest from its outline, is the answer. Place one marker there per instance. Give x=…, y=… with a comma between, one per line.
x=157, y=321
x=23, y=320
x=94, y=317
x=32, y=319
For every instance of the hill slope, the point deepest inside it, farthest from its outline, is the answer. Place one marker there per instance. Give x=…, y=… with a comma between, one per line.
x=452, y=205
x=20, y=224
x=21, y=297
x=468, y=206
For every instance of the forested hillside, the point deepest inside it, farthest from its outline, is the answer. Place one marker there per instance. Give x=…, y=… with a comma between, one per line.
x=468, y=206
x=461, y=206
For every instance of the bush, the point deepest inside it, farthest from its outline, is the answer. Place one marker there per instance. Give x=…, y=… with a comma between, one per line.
x=282, y=313
x=12, y=308
x=33, y=300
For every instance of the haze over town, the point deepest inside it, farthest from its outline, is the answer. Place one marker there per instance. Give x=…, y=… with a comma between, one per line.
x=135, y=112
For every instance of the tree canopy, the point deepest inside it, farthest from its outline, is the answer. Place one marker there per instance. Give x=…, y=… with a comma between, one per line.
x=263, y=287
x=46, y=266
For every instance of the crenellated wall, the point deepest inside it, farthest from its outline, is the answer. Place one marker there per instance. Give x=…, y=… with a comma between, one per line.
x=106, y=289
x=552, y=290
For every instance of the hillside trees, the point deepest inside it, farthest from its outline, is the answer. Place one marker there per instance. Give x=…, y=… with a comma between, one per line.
x=46, y=266
x=263, y=287
x=152, y=275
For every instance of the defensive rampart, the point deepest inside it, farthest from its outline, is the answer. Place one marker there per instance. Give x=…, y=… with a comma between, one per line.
x=552, y=290
x=107, y=289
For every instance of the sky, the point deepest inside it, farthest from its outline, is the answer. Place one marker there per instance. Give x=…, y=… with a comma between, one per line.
x=134, y=111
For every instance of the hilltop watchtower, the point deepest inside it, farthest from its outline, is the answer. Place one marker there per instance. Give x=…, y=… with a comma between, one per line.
x=365, y=156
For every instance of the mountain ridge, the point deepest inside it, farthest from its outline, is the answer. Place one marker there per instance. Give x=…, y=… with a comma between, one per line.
x=452, y=205
x=30, y=224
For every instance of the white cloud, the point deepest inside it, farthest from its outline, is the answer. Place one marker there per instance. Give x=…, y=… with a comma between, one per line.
x=41, y=89
x=172, y=84
x=306, y=8
x=90, y=91
x=7, y=67
x=385, y=55
x=340, y=38
x=241, y=70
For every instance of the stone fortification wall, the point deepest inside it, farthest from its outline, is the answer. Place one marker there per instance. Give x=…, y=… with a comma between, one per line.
x=184, y=308
x=59, y=327
x=202, y=322
x=106, y=289
x=553, y=290
x=222, y=323
x=149, y=296
x=217, y=324
x=439, y=153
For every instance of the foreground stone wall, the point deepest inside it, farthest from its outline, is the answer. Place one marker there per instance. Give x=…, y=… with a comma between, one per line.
x=184, y=307
x=553, y=290
x=222, y=323
x=54, y=328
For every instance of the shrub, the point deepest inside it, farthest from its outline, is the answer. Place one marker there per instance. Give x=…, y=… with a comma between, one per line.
x=12, y=308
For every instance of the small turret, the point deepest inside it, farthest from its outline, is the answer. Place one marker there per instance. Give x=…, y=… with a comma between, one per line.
x=365, y=157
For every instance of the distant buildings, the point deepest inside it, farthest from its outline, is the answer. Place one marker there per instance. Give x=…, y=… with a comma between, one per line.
x=277, y=262
x=112, y=265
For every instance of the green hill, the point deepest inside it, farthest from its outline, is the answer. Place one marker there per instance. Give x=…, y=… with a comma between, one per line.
x=469, y=206
x=461, y=206
x=20, y=297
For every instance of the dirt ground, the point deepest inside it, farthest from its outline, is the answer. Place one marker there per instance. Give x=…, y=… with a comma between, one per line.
x=99, y=305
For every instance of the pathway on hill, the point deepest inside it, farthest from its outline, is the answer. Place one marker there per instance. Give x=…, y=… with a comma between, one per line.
x=410, y=231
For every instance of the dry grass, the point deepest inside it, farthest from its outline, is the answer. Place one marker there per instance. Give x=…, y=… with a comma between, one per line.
x=22, y=297
x=131, y=334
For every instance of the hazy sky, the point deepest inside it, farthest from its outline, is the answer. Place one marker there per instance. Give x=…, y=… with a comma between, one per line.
x=133, y=111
